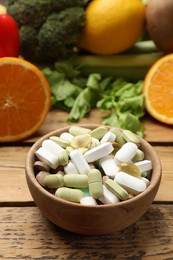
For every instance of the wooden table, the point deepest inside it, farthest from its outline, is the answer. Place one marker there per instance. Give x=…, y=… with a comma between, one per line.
x=26, y=234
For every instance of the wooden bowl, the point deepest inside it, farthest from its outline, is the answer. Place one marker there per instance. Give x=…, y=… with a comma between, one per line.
x=92, y=220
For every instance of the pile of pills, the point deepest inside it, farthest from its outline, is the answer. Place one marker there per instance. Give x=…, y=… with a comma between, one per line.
x=99, y=166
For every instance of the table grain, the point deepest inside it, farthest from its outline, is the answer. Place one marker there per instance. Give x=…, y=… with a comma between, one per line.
x=26, y=234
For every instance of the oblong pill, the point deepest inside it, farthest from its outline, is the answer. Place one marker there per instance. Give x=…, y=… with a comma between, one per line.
x=62, y=142
x=47, y=157
x=52, y=147
x=98, y=152
x=78, y=130
x=139, y=156
x=129, y=136
x=63, y=158
x=145, y=165
x=41, y=166
x=126, y=152
x=147, y=182
x=69, y=194
x=80, y=162
x=54, y=181
x=66, y=136
x=108, y=137
x=40, y=177
x=116, y=189
x=70, y=168
x=95, y=183
x=108, y=197
x=130, y=183
x=76, y=180
x=108, y=165
x=99, y=132
x=89, y=201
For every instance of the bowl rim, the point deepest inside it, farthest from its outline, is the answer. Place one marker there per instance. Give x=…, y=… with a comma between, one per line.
x=29, y=172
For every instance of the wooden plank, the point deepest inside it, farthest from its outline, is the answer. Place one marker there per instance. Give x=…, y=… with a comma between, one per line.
x=26, y=234
x=165, y=192
x=154, y=131
x=13, y=187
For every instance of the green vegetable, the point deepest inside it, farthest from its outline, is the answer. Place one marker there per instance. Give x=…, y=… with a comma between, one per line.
x=121, y=102
x=49, y=29
x=132, y=64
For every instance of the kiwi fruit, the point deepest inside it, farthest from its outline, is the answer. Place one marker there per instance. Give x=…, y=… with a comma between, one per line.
x=159, y=23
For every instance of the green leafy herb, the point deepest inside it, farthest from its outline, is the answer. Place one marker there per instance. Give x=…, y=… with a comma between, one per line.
x=121, y=102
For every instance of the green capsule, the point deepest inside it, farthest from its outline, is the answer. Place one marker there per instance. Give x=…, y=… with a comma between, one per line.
x=99, y=132
x=116, y=131
x=54, y=181
x=76, y=180
x=116, y=189
x=131, y=169
x=69, y=194
x=120, y=139
x=63, y=158
x=139, y=156
x=95, y=183
x=62, y=142
x=130, y=137
x=78, y=130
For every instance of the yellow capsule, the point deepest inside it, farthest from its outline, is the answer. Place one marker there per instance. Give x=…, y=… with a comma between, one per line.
x=131, y=169
x=116, y=147
x=81, y=141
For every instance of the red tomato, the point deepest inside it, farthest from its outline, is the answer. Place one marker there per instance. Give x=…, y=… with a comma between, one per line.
x=9, y=37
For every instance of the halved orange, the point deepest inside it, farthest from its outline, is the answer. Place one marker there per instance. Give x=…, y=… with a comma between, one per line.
x=158, y=90
x=24, y=99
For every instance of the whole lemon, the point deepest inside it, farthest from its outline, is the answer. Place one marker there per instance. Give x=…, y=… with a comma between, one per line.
x=112, y=26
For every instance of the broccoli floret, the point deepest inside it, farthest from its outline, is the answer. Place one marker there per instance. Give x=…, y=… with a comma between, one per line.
x=49, y=29
x=35, y=12
x=30, y=12
x=29, y=34
x=60, y=32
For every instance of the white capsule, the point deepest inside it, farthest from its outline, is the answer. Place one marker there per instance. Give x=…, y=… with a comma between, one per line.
x=130, y=183
x=66, y=136
x=108, y=197
x=89, y=201
x=109, y=166
x=108, y=137
x=144, y=165
x=126, y=152
x=80, y=162
x=98, y=152
x=52, y=147
x=147, y=182
x=47, y=157
x=70, y=168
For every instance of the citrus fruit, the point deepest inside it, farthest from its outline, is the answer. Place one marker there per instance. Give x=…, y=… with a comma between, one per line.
x=112, y=26
x=158, y=90
x=24, y=99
